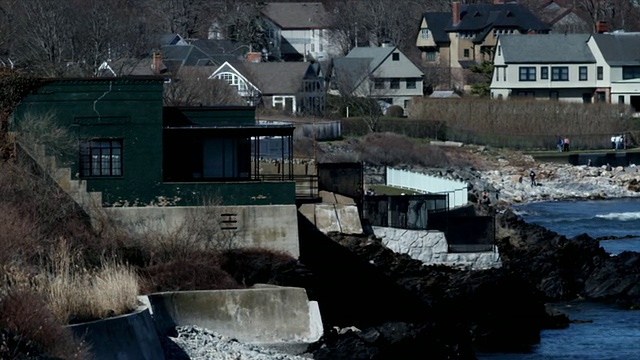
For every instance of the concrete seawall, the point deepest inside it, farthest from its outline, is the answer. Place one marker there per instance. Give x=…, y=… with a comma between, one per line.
x=126, y=337
x=264, y=315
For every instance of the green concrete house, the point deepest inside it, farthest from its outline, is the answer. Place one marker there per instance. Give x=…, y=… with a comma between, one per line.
x=147, y=166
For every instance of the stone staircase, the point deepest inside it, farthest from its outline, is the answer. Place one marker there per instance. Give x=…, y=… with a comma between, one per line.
x=89, y=201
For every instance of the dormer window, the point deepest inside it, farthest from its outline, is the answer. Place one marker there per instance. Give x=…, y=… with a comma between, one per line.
x=424, y=34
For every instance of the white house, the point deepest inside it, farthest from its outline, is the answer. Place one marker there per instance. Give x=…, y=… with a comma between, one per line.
x=296, y=87
x=299, y=31
x=618, y=71
x=545, y=66
x=569, y=67
x=383, y=73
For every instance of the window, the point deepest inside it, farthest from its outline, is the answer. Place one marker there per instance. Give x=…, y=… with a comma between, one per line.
x=313, y=47
x=544, y=73
x=600, y=73
x=586, y=98
x=466, y=53
x=395, y=57
x=527, y=73
x=620, y=99
x=395, y=84
x=101, y=158
x=497, y=74
x=630, y=72
x=559, y=73
x=499, y=50
x=320, y=47
x=554, y=95
x=411, y=83
x=582, y=73
x=526, y=94
x=601, y=96
x=431, y=55
x=424, y=34
x=233, y=80
x=378, y=84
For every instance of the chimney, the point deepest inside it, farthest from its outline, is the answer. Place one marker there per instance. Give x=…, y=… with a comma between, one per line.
x=601, y=27
x=254, y=57
x=156, y=64
x=455, y=9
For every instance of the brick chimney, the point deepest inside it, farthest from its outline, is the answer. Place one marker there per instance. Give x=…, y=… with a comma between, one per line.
x=455, y=9
x=254, y=57
x=156, y=64
x=601, y=27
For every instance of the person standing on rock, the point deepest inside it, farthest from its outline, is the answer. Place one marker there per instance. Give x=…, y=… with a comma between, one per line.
x=532, y=175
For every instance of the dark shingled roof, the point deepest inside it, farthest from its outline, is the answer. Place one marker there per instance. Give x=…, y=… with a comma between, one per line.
x=276, y=78
x=309, y=15
x=485, y=17
x=437, y=23
x=619, y=49
x=570, y=48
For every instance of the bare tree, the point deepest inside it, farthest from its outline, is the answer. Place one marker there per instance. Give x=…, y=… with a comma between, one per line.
x=193, y=87
x=189, y=18
x=110, y=30
x=357, y=92
x=241, y=21
x=44, y=43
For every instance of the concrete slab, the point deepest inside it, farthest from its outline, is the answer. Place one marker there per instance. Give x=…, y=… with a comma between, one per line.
x=126, y=337
x=326, y=218
x=269, y=315
x=327, y=197
x=349, y=219
x=308, y=211
x=341, y=199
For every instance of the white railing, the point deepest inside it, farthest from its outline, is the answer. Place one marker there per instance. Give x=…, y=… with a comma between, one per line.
x=457, y=190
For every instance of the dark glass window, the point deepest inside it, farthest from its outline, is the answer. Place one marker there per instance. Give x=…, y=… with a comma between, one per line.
x=582, y=73
x=630, y=72
x=600, y=73
x=560, y=73
x=544, y=72
x=101, y=158
x=527, y=73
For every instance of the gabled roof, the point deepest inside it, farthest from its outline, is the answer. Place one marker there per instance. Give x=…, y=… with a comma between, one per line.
x=351, y=71
x=376, y=54
x=214, y=47
x=273, y=78
x=482, y=18
x=437, y=22
x=619, y=49
x=290, y=16
x=535, y=48
x=188, y=55
x=169, y=39
x=479, y=16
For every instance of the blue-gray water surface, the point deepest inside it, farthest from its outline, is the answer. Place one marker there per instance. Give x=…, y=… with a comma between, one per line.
x=612, y=333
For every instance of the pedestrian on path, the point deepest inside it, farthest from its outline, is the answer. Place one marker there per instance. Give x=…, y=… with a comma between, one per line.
x=566, y=144
x=560, y=144
x=532, y=175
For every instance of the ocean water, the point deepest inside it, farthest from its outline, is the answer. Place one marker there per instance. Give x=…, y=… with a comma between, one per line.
x=609, y=333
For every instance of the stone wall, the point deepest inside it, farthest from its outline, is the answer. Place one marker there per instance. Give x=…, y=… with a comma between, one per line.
x=431, y=248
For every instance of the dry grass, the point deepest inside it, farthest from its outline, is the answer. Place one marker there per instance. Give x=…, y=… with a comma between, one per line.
x=76, y=294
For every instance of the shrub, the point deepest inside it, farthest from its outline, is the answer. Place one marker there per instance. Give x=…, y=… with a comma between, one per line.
x=395, y=111
x=249, y=266
x=201, y=272
x=28, y=329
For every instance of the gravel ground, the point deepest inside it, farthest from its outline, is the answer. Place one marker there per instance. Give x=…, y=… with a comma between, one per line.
x=193, y=342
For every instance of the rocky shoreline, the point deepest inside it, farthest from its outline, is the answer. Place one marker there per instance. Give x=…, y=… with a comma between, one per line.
x=502, y=309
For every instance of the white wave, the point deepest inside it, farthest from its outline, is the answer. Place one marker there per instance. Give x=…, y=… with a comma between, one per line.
x=624, y=216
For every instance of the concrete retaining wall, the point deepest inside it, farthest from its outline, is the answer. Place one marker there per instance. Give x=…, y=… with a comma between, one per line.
x=431, y=248
x=329, y=218
x=268, y=315
x=126, y=337
x=268, y=226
